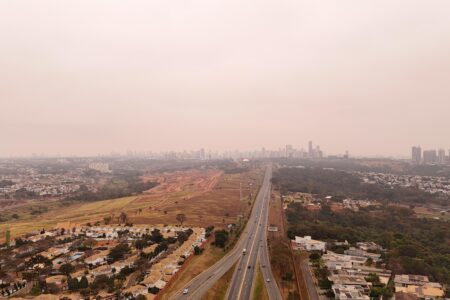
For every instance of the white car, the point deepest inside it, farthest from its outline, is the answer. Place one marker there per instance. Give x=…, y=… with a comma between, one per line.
x=185, y=291
x=268, y=280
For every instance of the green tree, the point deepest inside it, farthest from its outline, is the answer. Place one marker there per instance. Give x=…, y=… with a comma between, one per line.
x=84, y=283
x=221, y=238
x=66, y=268
x=73, y=284
x=118, y=252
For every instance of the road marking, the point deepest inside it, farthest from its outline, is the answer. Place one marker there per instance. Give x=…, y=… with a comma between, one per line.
x=253, y=244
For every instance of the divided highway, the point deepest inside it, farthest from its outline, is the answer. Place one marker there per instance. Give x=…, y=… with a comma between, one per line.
x=241, y=285
x=254, y=240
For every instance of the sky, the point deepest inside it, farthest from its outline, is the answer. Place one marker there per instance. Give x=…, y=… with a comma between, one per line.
x=87, y=77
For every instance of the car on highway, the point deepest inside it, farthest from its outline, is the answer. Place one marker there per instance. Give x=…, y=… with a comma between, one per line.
x=185, y=291
x=249, y=267
x=268, y=279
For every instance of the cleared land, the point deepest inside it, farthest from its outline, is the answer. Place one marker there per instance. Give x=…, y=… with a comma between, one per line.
x=206, y=197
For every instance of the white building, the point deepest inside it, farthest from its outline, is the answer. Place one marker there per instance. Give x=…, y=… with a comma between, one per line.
x=308, y=244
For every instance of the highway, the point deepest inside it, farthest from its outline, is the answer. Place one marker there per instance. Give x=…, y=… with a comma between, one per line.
x=241, y=285
x=253, y=238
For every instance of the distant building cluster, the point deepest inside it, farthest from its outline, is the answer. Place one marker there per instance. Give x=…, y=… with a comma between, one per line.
x=288, y=151
x=429, y=184
x=311, y=152
x=429, y=156
x=29, y=182
x=100, y=167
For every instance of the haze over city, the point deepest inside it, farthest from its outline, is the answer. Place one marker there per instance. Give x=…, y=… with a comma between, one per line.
x=84, y=77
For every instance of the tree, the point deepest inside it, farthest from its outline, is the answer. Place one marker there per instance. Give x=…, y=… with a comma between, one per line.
x=66, y=268
x=156, y=236
x=140, y=244
x=107, y=220
x=123, y=218
x=181, y=218
x=182, y=237
x=73, y=284
x=36, y=290
x=153, y=290
x=84, y=283
x=118, y=252
x=197, y=250
x=221, y=238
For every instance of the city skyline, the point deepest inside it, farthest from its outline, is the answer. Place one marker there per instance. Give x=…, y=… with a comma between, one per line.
x=363, y=77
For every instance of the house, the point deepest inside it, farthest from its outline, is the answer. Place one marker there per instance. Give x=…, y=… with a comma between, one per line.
x=54, y=252
x=60, y=281
x=137, y=290
x=363, y=253
x=419, y=286
x=97, y=259
x=102, y=270
x=369, y=246
x=160, y=284
x=129, y=262
x=335, y=261
x=152, y=278
x=347, y=292
x=308, y=244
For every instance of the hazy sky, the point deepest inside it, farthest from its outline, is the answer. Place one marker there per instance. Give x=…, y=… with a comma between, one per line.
x=88, y=77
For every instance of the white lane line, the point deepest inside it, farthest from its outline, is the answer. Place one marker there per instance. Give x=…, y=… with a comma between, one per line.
x=253, y=244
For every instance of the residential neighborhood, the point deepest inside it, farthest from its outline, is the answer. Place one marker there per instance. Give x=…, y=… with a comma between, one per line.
x=359, y=272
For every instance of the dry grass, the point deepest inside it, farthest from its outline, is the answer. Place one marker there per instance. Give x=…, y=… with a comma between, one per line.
x=259, y=291
x=431, y=213
x=196, y=265
x=279, y=248
x=219, y=290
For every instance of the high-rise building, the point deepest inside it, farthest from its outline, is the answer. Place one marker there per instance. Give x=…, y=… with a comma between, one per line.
x=318, y=152
x=289, y=151
x=310, y=149
x=416, y=155
x=429, y=156
x=441, y=156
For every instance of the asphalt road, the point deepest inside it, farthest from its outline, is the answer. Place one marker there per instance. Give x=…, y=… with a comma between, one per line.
x=241, y=285
x=253, y=238
x=310, y=285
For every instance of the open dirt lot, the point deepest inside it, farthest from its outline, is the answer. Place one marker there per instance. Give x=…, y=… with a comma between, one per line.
x=206, y=197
